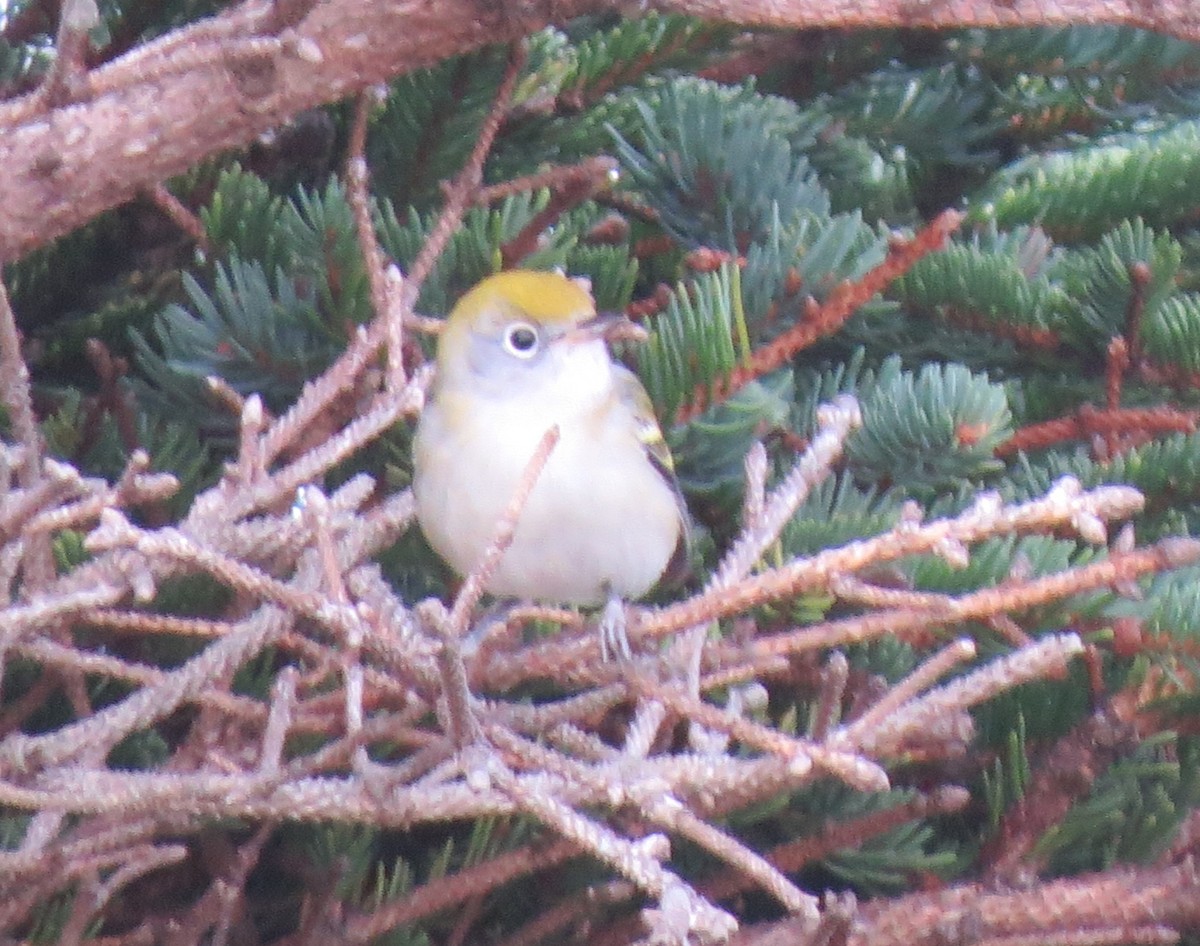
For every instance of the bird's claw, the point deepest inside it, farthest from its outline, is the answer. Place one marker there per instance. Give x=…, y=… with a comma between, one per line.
x=614, y=636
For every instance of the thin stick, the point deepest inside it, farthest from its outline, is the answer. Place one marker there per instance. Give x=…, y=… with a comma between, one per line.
x=357, y=176
x=476, y=583
x=14, y=390
x=461, y=193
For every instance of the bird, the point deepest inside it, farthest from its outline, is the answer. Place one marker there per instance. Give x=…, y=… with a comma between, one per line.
x=520, y=352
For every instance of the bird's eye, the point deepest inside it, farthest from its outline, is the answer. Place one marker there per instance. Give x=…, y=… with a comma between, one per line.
x=521, y=339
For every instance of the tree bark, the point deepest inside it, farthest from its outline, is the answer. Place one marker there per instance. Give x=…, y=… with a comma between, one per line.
x=217, y=84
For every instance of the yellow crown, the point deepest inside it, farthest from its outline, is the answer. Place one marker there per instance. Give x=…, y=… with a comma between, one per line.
x=548, y=298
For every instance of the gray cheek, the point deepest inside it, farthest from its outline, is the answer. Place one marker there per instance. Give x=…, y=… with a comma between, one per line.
x=495, y=369
x=484, y=356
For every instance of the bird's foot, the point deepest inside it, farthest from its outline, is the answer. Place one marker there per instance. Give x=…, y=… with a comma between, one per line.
x=614, y=627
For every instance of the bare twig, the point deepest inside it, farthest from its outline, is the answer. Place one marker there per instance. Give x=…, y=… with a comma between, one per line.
x=16, y=397
x=506, y=528
x=175, y=211
x=67, y=76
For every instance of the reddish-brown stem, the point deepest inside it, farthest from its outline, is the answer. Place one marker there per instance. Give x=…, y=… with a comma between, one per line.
x=825, y=318
x=1089, y=422
x=1139, y=282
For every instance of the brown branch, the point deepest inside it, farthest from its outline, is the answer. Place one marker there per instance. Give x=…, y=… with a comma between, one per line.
x=445, y=892
x=1028, y=336
x=1089, y=422
x=555, y=659
x=1116, y=364
x=66, y=78
x=473, y=588
x=1125, y=899
x=1135, y=312
x=800, y=755
x=791, y=856
x=358, y=197
x=1065, y=773
x=571, y=186
x=461, y=192
x=175, y=210
x=1174, y=375
x=154, y=112
x=17, y=398
x=978, y=605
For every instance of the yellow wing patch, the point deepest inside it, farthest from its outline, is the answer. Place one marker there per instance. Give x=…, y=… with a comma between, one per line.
x=631, y=392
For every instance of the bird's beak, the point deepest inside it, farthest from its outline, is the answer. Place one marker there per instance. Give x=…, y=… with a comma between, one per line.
x=606, y=326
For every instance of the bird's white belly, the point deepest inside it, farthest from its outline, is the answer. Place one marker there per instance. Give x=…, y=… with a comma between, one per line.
x=600, y=518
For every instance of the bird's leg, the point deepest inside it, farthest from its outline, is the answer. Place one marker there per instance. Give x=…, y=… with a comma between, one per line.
x=614, y=637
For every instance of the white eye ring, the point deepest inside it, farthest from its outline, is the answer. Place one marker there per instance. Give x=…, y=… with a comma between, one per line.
x=521, y=340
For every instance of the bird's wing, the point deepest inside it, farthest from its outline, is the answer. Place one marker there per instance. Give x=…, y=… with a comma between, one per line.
x=633, y=394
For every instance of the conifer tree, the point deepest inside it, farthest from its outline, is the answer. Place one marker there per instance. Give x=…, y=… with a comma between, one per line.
x=922, y=322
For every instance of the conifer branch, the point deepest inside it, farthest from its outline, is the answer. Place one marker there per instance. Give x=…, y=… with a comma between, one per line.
x=384, y=282
x=214, y=85
x=37, y=560
x=793, y=856
x=821, y=319
x=446, y=892
x=1014, y=596
x=1028, y=336
x=984, y=519
x=1065, y=774
x=317, y=690
x=463, y=191
x=569, y=186
x=1089, y=422
x=1107, y=905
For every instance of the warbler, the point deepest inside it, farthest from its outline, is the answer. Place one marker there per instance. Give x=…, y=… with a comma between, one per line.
x=520, y=352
